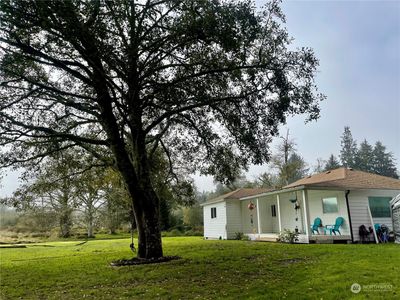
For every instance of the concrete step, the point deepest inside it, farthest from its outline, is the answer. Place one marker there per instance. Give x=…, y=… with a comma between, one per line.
x=266, y=239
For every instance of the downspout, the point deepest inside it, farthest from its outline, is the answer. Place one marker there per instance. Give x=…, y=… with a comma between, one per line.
x=349, y=215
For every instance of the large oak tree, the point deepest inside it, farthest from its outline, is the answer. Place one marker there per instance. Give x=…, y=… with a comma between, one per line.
x=206, y=82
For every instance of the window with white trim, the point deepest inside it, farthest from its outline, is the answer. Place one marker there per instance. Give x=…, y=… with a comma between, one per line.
x=273, y=210
x=379, y=206
x=213, y=212
x=330, y=205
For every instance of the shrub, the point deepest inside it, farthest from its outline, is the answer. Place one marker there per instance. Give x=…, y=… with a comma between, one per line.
x=173, y=232
x=288, y=236
x=179, y=227
x=193, y=233
x=245, y=238
x=39, y=235
x=239, y=236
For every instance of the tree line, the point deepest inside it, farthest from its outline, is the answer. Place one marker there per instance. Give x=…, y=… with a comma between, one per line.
x=365, y=157
x=71, y=191
x=287, y=165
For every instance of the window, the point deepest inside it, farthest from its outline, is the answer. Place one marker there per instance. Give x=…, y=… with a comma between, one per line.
x=213, y=212
x=379, y=206
x=273, y=210
x=329, y=205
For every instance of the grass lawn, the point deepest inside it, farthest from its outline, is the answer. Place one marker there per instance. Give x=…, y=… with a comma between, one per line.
x=207, y=270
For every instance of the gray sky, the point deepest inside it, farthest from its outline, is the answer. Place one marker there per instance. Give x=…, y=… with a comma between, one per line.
x=358, y=44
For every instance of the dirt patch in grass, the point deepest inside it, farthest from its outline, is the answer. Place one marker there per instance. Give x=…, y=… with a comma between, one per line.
x=251, y=257
x=290, y=261
x=141, y=261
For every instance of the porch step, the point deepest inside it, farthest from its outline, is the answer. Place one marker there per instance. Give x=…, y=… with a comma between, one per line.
x=266, y=239
x=330, y=239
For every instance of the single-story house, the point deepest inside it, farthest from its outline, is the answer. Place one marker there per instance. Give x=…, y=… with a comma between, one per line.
x=359, y=198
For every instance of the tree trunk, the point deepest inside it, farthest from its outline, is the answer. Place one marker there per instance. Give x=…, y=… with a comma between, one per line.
x=65, y=216
x=90, y=231
x=90, y=228
x=89, y=220
x=153, y=233
x=65, y=223
x=146, y=212
x=137, y=177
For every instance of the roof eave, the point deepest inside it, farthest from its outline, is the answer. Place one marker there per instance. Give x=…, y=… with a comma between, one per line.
x=213, y=202
x=274, y=192
x=327, y=187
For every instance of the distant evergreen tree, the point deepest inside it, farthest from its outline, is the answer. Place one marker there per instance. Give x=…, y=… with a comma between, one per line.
x=297, y=167
x=332, y=163
x=349, y=149
x=383, y=162
x=364, y=158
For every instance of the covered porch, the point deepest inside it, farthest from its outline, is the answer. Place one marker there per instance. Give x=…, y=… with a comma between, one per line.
x=264, y=217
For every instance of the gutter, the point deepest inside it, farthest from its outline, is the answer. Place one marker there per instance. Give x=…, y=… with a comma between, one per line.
x=212, y=202
x=297, y=188
x=349, y=215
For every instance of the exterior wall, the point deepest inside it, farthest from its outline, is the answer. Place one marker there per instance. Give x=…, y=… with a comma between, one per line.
x=316, y=211
x=265, y=215
x=215, y=228
x=269, y=224
x=288, y=213
x=247, y=216
x=234, y=218
x=358, y=203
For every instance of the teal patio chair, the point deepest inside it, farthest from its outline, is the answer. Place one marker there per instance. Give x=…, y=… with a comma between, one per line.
x=334, y=228
x=317, y=224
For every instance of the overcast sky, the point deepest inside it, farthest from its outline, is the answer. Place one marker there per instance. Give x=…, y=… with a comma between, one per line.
x=358, y=44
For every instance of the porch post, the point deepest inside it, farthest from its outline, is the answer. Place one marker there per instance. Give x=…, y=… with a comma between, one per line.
x=258, y=218
x=306, y=221
x=279, y=213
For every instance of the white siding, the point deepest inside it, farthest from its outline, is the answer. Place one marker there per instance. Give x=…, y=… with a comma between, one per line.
x=358, y=203
x=269, y=224
x=234, y=218
x=216, y=227
x=288, y=213
x=265, y=215
x=247, y=216
x=316, y=211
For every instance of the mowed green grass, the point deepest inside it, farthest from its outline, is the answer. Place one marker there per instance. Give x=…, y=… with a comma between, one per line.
x=207, y=270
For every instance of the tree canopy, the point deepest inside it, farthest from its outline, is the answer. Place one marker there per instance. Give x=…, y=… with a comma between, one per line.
x=205, y=82
x=332, y=163
x=349, y=149
x=368, y=158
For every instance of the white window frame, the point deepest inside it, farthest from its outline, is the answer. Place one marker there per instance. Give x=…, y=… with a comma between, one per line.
x=337, y=205
x=213, y=216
